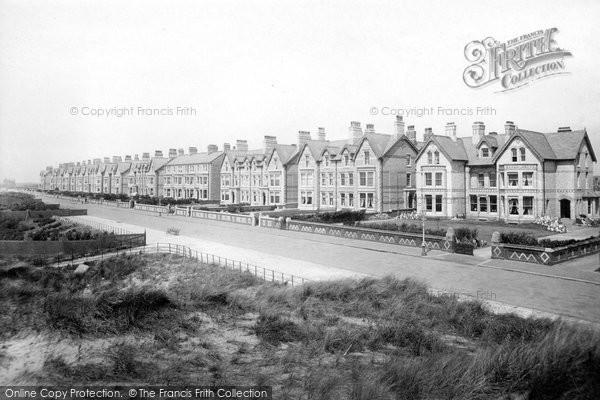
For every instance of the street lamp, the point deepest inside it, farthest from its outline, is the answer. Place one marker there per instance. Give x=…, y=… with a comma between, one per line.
x=423, y=246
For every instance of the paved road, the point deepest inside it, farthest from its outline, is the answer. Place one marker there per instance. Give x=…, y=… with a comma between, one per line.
x=473, y=275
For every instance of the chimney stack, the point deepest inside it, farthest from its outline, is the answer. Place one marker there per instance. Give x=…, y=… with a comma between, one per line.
x=172, y=153
x=428, y=133
x=212, y=148
x=355, y=131
x=127, y=158
x=241, y=145
x=180, y=152
x=89, y=162
x=478, y=132
x=193, y=150
x=322, y=136
x=370, y=128
x=106, y=160
x=562, y=129
x=411, y=134
x=399, y=126
x=158, y=153
x=116, y=159
x=509, y=128
x=97, y=161
x=145, y=156
x=226, y=147
x=136, y=158
x=451, y=130
x=303, y=137
x=269, y=143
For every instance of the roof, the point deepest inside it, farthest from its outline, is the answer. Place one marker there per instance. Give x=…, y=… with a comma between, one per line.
x=198, y=158
x=286, y=152
x=454, y=150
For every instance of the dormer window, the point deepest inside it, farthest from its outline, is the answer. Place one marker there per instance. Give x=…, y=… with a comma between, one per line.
x=327, y=161
x=346, y=159
x=522, y=149
x=437, y=157
x=485, y=152
x=429, y=158
x=514, y=155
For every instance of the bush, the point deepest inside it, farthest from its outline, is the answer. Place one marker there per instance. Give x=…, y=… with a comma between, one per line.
x=465, y=234
x=347, y=217
x=520, y=238
x=404, y=227
x=464, y=248
x=274, y=329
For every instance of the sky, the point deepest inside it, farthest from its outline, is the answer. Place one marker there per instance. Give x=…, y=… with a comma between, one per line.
x=246, y=69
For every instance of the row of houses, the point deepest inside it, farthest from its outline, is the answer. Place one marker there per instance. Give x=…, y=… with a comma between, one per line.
x=513, y=175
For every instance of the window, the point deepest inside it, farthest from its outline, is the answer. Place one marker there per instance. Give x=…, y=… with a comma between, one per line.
x=513, y=179
x=494, y=204
x=408, y=182
x=362, y=179
x=362, y=200
x=428, y=202
x=438, y=179
x=438, y=203
x=351, y=199
x=342, y=179
x=323, y=179
x=429, y=158
x=331, y=179
x=473, y=200
x=327, y=161
x=527, y=179
x=437, y=157
x=493, y=179
x=408, y=160
x=528, y=205
x=514, y=155
x=481, y=180
x=351, y=179
x=342, y=199
x=370, y=178
x=323, y=198
x=369, y=200
x=306, y=160
x=522, y=149
x=485, y=152
x=483, y=204
x=306, y=197
x=346, y=158
x=367, y=158
x=427, y=178
x=513, y=206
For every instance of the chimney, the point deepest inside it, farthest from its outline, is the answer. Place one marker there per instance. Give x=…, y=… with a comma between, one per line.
x=180, y=152
x=478, y=131
x=116, y=159
x=321, y=134
x=428, y=133
x=303, y=137
x=127, y=158
x=89, y=162
x=172, y=153
x=212, y=148
x=78, y=164
x=509, y=128
x=370, y=128
x=241, y=145
x=562, y=129
x=97, y=161
x=136, y=158
x=493, y=133
x=158, y=153
x=193, y=150
x=145, y=156
x=226, y=147
x=355, y=131
x=399, y=126
x=451, y=130
x=269, y=143
x=411, y=134
x=106, y=160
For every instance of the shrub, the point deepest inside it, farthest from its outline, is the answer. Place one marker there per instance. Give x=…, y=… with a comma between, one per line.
x=520, y=238
x=275, y=329
x=404, y=227
x=465, y=234
x=343, y=216
x=464, y=248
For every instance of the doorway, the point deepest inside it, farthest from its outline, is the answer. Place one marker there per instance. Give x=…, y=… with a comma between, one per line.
x=565, y=208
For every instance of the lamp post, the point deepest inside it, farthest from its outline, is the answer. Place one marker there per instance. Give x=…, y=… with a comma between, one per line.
x=420, y=204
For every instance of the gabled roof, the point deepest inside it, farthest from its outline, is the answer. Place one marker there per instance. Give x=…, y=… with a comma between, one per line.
x=286, y=152
x=566, y=145
x=123, y=167
x=395, y=139
x=454, y=151
x=198, y=158
x=377, y=141
x=157, y=163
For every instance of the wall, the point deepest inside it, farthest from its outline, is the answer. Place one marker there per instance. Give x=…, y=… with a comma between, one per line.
x=47, y=247
x=545, y=256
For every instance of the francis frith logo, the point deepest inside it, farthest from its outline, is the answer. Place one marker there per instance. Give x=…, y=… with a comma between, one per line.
x=516, y=62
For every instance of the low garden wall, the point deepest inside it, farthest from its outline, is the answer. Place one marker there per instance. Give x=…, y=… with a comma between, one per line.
x=148, y=207
x=349, y=232
x=222, y=216
x=55, y=247
x=545, y=256
x=44, y=213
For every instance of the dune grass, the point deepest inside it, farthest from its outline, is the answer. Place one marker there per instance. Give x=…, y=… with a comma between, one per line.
x=167, y=320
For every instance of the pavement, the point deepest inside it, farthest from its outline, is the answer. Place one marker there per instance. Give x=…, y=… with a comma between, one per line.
x=571, y=289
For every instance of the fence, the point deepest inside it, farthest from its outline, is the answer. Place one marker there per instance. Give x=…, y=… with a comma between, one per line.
x=99, y=226
x=266, y=274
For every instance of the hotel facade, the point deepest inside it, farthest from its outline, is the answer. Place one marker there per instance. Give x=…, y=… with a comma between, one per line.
x=515, y=175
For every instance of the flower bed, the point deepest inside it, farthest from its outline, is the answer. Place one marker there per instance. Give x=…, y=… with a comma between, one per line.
x=551, y=224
